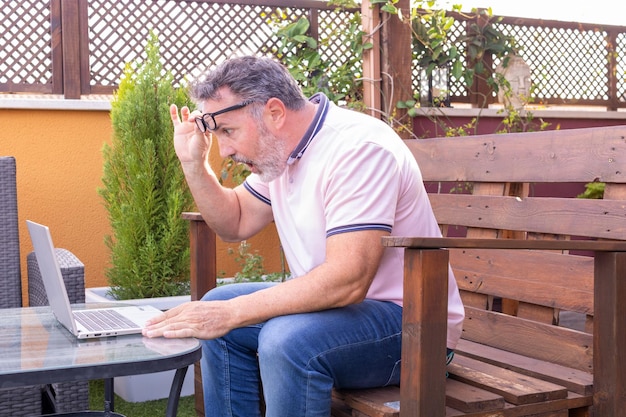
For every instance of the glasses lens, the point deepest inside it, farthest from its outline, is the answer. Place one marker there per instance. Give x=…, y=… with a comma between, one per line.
x=200, y=124
x=205, y=122
x=209, y=121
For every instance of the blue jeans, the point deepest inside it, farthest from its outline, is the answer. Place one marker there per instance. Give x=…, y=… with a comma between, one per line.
x=299, y=358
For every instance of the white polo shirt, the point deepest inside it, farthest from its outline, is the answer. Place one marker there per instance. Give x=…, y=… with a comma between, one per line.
x=352, y=172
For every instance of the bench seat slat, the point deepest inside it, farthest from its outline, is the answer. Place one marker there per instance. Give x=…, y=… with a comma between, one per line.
x=461, y=398
x=371, y=401
x=550, y=408
x=573, y=379
x=469, y=398
x=515, y=388
x=547, y=408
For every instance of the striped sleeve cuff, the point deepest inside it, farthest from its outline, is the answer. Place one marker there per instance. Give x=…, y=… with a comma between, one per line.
x=256, y=194
x=358, y=227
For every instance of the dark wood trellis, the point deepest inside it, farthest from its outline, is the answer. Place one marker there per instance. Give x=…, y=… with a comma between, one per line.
x=80, y=47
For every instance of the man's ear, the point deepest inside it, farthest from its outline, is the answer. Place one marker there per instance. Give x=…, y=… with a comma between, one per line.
x=275, y=113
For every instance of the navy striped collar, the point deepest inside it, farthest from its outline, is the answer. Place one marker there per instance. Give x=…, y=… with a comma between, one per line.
x=314, y=127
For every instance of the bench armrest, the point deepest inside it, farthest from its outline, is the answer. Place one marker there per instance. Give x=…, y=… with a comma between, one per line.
x=202, y=246
x=478, y=243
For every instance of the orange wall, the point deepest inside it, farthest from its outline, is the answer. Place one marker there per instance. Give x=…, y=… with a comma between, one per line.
x=59, y=169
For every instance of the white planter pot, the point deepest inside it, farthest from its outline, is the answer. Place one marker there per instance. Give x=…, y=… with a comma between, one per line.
x=146, y=387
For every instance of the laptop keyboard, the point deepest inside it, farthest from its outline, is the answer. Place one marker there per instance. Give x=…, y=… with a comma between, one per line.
x=96, y=320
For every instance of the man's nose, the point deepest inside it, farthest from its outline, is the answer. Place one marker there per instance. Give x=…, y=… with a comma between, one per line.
x=225, y=149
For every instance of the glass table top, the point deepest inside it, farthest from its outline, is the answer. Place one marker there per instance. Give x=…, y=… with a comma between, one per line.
x=35, y=348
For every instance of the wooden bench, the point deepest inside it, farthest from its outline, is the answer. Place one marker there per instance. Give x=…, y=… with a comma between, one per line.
x=543, y=280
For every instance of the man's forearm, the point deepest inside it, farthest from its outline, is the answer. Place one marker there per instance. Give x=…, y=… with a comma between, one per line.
x=218, y=205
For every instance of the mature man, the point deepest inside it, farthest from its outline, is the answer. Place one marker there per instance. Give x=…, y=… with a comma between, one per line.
x=334, y=181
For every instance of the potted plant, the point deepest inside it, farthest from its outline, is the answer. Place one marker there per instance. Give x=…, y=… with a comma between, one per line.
x=144, y=192
x=144, y=189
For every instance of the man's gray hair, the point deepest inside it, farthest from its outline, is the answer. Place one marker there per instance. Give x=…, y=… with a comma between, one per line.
x=251, y=79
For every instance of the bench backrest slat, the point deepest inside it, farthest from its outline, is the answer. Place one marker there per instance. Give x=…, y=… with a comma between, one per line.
x=578, y=217
x=541, y=279
x=615, y=191
x=542, y=341
x=577, y=155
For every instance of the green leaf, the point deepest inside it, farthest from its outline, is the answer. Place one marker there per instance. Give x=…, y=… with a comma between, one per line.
x=457, y=69
x=479, y=67
x=389, y=8
x=302, y=25
x=301, y=38
x=311, y=43
x=453, y=53
x=406, y=104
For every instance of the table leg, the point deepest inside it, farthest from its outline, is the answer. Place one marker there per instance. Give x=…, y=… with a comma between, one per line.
x=177, y=386
x=109, y=396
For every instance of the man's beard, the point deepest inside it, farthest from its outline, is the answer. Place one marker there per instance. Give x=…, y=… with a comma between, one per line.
x=270, y=161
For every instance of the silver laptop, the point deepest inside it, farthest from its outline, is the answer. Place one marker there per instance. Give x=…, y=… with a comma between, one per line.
x=88, y=323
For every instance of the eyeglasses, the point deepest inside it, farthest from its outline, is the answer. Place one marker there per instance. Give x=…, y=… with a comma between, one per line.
x=207, y=120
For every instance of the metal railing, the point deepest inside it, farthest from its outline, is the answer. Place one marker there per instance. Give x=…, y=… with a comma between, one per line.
x=80, y=47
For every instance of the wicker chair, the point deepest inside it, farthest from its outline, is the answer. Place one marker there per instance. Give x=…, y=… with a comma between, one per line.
x=33, y=400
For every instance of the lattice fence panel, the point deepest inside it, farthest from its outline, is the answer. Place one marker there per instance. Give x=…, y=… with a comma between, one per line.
x=571, y=64
x=194, y=36
x=332, y=33
x=25, y=46
x=566, y=64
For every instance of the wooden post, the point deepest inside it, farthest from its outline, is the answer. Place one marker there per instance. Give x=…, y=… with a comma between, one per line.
x=613, y=103
x=71, y=52
x=609, y=338
x=203, y=277
x=480, y=92
x=424, y=331
x=370, y=22
x=202, y=243
x=56, y=44
x=396, y=68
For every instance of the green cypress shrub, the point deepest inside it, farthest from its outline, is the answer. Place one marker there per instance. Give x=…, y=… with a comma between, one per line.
x=144, y=189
